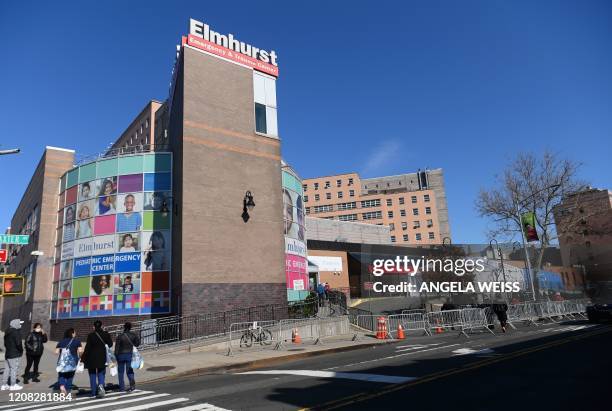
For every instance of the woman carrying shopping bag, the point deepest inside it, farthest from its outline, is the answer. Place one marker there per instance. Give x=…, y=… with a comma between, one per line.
x=69, y=350
x=125, y=346
x=96, y=357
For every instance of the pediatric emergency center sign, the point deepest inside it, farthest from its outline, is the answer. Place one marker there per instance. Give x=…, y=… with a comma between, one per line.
x=226, y=46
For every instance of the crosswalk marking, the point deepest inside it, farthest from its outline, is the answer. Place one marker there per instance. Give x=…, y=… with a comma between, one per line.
x=153, y=404
x=68, y=404
x=116, y=400
x=200, y=407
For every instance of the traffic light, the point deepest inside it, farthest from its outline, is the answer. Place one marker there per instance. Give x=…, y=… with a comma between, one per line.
x=12, y=285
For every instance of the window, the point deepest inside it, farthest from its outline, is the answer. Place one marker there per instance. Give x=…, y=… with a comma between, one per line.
x=391, y=227
x=429, y=223
x=413, y=199
x=264, y=90
x=431, y=235
x=307, y=210
x=403, y=213
x=347, y=206
x=317, y=197
x=416, y=224
x=389, y=202
x=340, y=194
x=390, y=214
x=404, y=225
x=324, y=208
x=316, y=185
x=147, y=123
x=415, y=211
x=427, y=210
x=351, y=193
x=372, y=215
x=401, y=200
x=370, y=203
x=348, y=217
x=426, y=198
x=260, y=119
x=350, y=181
x=328, y=196
x=418, y=236
x=305, y=199
x=305, y=187
x=327, y=184
x=392, y=238
x=405, y=237
x=338, y=183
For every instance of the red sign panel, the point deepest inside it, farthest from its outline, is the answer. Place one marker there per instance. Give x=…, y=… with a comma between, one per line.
x=232, y=55
x=3, y=255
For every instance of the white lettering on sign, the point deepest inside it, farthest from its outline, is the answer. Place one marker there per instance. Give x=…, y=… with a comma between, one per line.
x=197, y=28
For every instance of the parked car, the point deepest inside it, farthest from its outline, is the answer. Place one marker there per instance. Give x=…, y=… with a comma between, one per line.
x=599, y=312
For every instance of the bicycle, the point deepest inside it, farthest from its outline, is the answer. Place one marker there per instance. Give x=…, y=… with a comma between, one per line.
x=258, y=334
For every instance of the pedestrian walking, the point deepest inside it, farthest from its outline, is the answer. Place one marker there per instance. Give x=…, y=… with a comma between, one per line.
x=13, y=351
x=124, y=347
x=67, y=366
x=34, y=346
x=321, y=293
x=500, y=309
x=95, y=359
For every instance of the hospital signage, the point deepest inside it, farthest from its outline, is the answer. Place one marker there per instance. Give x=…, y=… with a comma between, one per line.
x=202, y=37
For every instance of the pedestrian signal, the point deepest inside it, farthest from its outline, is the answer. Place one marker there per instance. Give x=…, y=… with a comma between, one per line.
x=12, y=285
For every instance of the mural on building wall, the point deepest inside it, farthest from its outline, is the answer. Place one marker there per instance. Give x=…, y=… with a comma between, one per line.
x=113, y=242
x=296, y=264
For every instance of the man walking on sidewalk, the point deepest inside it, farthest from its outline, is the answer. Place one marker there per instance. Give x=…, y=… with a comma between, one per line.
x=13, y=352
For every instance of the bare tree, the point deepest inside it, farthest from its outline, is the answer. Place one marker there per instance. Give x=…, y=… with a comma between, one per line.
x=530, y=183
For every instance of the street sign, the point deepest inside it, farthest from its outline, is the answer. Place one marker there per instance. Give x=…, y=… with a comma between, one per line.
x=12, y=285
x=14, y=239
x=3, y=255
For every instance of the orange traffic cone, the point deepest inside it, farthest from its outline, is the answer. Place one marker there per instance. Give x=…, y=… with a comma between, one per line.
x=295, y=337
x=400, y=333
x=439, y=329
x=381, y=330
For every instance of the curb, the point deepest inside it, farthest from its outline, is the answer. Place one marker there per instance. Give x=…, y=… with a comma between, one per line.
x=264, y=362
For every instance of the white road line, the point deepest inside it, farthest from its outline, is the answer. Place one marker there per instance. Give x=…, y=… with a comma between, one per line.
x=465, y=351
x=112, y=404
x=344, y=375
x=200, y=407
x=418, y=345
x=68, y=404
x=390, y=357
x=152, y=404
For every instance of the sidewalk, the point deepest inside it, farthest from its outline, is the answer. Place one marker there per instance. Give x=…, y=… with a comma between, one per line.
x=160, y=365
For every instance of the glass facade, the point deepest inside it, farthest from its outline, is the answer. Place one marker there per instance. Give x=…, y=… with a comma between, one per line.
x=113, y=238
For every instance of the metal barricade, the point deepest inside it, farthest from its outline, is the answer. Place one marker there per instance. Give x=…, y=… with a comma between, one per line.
x=245, y=335
x=440, y=320
x=473, y=319
x=368, y=322
x=334, y=327
x=307, y=328
x=415, y=311
x=409, y=322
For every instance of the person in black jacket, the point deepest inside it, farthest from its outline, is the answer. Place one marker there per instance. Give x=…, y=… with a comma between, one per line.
x=13, y=352
x=34, y=350
x=94, y=358
x=500, y=309
x=124, y=346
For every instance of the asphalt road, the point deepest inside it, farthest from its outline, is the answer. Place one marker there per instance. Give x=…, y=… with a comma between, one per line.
x=563, y=366
x=559, y=366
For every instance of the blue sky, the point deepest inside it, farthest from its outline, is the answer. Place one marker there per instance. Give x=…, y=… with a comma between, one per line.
x=378, y=88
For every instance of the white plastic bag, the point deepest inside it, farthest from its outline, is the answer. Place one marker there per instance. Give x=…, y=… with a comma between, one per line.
x=137, y=360
x=113, y=369
x=80, y=367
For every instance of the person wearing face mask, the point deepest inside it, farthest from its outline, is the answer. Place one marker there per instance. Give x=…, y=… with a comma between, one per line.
x=34, y=350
